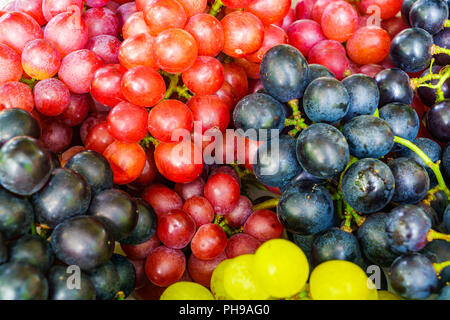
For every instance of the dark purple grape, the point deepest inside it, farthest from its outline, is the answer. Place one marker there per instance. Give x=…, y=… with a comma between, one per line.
x=304, y=176
x=446, y=162
x=58, y=279
x=431, y=213
x=393, y=85
x=319, y=71
x=17, y=215
x=429, y=15
x=447, y=219
x=374, y=242
x=322, y=150
x=117, y=210
x=127, y=273
x=368, y=185
x=18, y=122
x=34, y=250
x=106, y=281
x=67, y=194
x=411, y=181
x=3, y=250
x=402, y=119
x=284, y=73
x=146, y=225
x=406, y=7
x=22, y=281
x=364, y=95
x=428, y=95
x=24, y=165
x=438, y=251
x=407, y=228
x=94, y=168
x=438, y=121
x=303, y=242
x=83, y=241
x=442, y=39
x=368, y=137
x=410, y=49
x=413, y=276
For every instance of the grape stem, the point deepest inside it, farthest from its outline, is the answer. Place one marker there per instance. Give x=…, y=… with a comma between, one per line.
x=29, y=82
x=296, y=120
x=376, y=113
x=431, y=195
x=222, y=222
x=174, y=78
x=248, y=177
x=147, y=140
x=120, y=295
x=33, y=229
x=216, y=8
x=442, y=76
x=268, y=204
x=183, y=92
x=433, y=166
x=434, y=235
x=447, y=23
x=438, y=267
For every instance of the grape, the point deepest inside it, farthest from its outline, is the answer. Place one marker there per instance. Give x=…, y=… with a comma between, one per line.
x=368, y=137
x=137, y=51
x=318, y=8
x=57, y=285
x=161, y=15
x=217, y=281
x=96, y=3
x=134, y=25
x=368, y=185
x=208, y=242
x=106, y=281
x=240, y=244
x=306, y=208
x=190, y=189
x=237, y=217
x=441, y=39
x=225, y=169
x=51, y=97
x=205, y=77
x=406, y=8
x=143, y=86
x=40, y=59
x=184, y=290
x=438, y=251
x=56, y=136
x=83, y=241
x=193, y=7
x=78, y=69
x=331, y=151
x=263, y=225
x=429, y=15
x=335, y=244
x=339, y=21
x=101, y=21
x=319, y=71
x=202, y=270
x=51, y=8
x=21, y=281
x=428, y=95
x=388, y=8
x=371, y=69
x=165, y=266
x=200, y=209
x=18, y=215
x=364, y=95
x=284, y=73
x=142, y=250
x=326, y=100
x=223, y=192
x=117, y=210
x=394, y=87
x=146, y=225
x=17, y=122
x=413, y=276
x=210, y=111
x=368, y=45
x=162, y=199
x=106, y=47
x=175, y=229
x=16, y=94
x=304, y=34
x=127, y=161
x=447, y=219
x=32, y=8
x=339, y=280
x=236, y=76
x=105, y=86
x=99, y=138
x=331, y=55
x=124, y=11
x=91, y=122
x=127, y=273
x=403, y=120
x=273, y=36
x=149, y=173
x=17, y=29
x=10, y=64
x=438, y=121
x=303, y=242
x=119, y=119
x=281, y=268
x=240, y=281
x=33, y=250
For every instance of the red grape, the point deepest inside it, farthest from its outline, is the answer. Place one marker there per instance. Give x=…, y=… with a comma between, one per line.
x=208, y=33
x=200, y=209
x=287, y=20
x=89, y=123
x=9, y=64
x=14, y=94
x=339, y=21
x=334, y=60
x=226, y=94
x=273, y=36
x=162, y=199
x=318, y=9
x=96, y=3
x=388, y=8
x=149, y=172
x=101, y=21
x=99, y=138
x=237, y=217
x=40, y=59
x=369, y=45
x=106, y=87
x=223, y=192
x=127, y=161
x=175, y=229
x=78, y=69
x=303, y=9
x=253, y=70
x=143, y=86
x=190, y=189
x=137, y=51
x=179, y=162
x=327, y=44
x=236, y=76
x=134, y=25
x=17, y=28
x=56, y=136
x=208, y=242
x=67, y=31
x=236, y=4
x=32, y=8
x=106, y=47
x=394, y=25
x=211, y=111
x=206, y=76
x=202, y=270
x=240, y=244
x=371, y=69
x=168, y=119
x=142, y=250
x=141, y=4
x=51, y=8
x=51, y=97
x=244, y=34
x=305, y=34
x=161, y=15
x=120, y=118
x=226, y=169
x=139, y=267
x=193, y=7
x=263, y=225
x=165, y=266
x=175, y=50
x=124, y=11
x=77, y=111
x=269, y=11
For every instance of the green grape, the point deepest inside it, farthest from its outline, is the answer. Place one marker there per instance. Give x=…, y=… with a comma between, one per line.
x=216, y=286
x=386, y=295
x=373, y=292
x=185, y=290
x=239, y=280
x=281, y=268
x=339, y=280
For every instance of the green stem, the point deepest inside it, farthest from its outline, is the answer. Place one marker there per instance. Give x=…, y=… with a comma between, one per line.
x=376, y=113
x=183, y=92
x=438, y=267
x=33, y=229
x=29, y=82
x=447, y=24
x=433, y=166
x=174, y=78
x=434, y=235
x=216, y=8
x=149, y=140
x=268, y=204
x=296, y=120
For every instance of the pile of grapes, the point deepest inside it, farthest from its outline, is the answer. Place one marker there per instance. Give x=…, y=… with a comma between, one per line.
x=227, y=149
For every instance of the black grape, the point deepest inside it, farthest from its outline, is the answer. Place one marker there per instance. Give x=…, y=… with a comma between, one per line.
x=60, y=283
x=429, y=15
x=18, y=122
x=438, y=121
x=146, y=225
x=106, y=281
x=364, y=95
x=21, y=281
x=17, y=215
x=393, y=85
x=127, y=273
x=34, y=250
